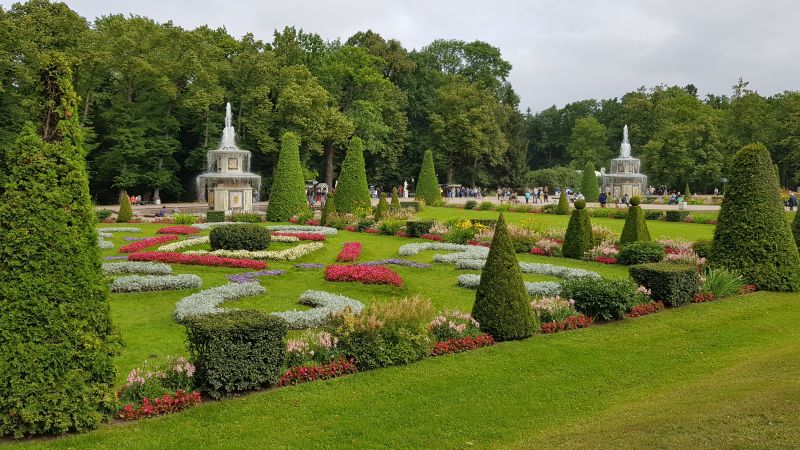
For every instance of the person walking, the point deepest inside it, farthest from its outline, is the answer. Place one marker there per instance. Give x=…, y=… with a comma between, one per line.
x=603, y=199
x=792, y=201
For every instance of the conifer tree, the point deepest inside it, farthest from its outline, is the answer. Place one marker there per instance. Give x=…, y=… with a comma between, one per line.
x=395, y=199
x=381, y=208
x=635, y=228
x=352, y=191
x=589, y=187
x=578, y=238
x=287, y=197
x=427, y=183
x=328, y=209
x=687, y=194
x=125, y=213
x=562, y=208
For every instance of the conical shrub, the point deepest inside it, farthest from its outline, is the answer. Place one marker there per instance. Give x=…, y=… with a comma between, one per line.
x=288, y=194
x=635, y=229
x=796, y=228
x=589, y=187
x=427, y=183
x=125, y=211
x=562, y=209
x=56, y=371
x=752, y=235
x=687, y=194
x=578, y=238
x=352, y=191
x=381, y=208
x=328, y=209
x=502, y=305
x=395, y=199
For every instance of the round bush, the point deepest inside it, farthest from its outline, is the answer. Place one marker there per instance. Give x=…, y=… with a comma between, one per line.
x=600, y=299
x=635, y=200
x=240, y=236
x=580, y=204
x=640, y=252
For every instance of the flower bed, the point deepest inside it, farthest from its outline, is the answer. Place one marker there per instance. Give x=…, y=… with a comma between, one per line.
x=146, y=283
x=290, y=254
x=180, y=245
x=350, y=252
x=178, y=229
x=363, y=274
x=648, y=308
x=104, y=244
x=149, y=242
x=115, y=258
x=207, y=301
x=301, y=236
x=432, y=237
x=142, y=268
x=324, y=305
x=328, y=231
x=249, y=276
x=605, y=260
x=397, y=262
x=310, y=266
x=538, y=288
x=198, y=260
x=303, y=374
x=165, y=404
x=119, y=230
x=570, y=323
x=289, y=238
x=461, y=344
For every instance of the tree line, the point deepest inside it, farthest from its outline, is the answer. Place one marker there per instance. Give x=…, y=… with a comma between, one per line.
x=152, y=95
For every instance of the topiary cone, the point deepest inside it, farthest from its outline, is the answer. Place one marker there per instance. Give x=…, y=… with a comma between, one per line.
x=752, y=235
x=796, y=228
x=352, y=191
x=287, y=197
x=502, y=305
x=635, y=228
x=381, y=208
x=589, y=187
x=328, y=209
x=395, y=199
x=427, y=183
x=125, y=213
x=562, y=208
x=578, y=238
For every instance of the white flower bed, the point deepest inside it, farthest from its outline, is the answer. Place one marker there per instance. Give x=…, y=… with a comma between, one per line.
x=324, y=304
x=470, y=264
x=537, y=289
x=104, y=235
x=142, y=283
x=290, y=254
x=210, y=225
x=180, y=245
x=138, y=267
x=104, y=244
x=119, y=230
x=556, y=271
x=413, y=249
x=285, y=239
x=328, y=231
x=207, y=301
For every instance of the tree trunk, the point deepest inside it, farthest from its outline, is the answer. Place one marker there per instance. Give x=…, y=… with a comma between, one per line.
x=205, y=133
x=156, y=191
x=329, y=149
x=450, y=169
x=472, y=173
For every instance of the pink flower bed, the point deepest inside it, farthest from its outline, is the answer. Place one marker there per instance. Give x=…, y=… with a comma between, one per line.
x=350, y=252
x=301, y=236
x=432, y=237
x=303, y=374
x=363, y=274
x=178, y=229
x=149, y=242
x=198, y=260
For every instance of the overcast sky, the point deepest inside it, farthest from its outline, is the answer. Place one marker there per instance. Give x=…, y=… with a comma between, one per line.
x=561, y=51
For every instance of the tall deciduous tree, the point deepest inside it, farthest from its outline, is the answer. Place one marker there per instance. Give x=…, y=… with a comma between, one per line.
x=588, y=143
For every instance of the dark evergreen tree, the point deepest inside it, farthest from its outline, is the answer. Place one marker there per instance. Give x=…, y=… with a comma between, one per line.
x=328, y=209
x=427, y=183
x=687, y=194
x=589, y=186
x=56, y=371
x=352, y=192
x=635, y=228
x=288, y=195
x=381, y=207
x=796, y=228
x=125, y=213
x=502, y=305
x=562, y=208
x=578, y=238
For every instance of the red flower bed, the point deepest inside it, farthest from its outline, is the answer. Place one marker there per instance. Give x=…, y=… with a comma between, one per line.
x=371, y=230
x=749, y=288
x=606, y=260
x=646, y=308
x=538, y=251
x=312, y=222
x=570, y=323
x=703, y=297
x=402, y=234
x=178, y=229
x=293, y=220
x=303, y=374
x=432, y=237
x=159, y=406
x=350, y=228
x=350, y=252
x=461, y=344
x=363, y=274
x=479, y=244
x=197, y=260
x=149, y=242
x=301, y=236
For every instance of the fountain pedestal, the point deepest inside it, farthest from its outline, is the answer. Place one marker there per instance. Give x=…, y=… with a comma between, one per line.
x=625, y=177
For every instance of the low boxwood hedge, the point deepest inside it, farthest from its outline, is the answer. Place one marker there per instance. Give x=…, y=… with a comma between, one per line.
x=676, y=216
x=215, y=216
x=416, y=228
x=640, y=252
x=674, y=284
x=240, y=236
x=600, y=299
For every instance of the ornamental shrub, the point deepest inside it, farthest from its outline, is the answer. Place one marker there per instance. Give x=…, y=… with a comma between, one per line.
x=245, y=217
x=427, y=183
x=687, y=194
x=352, y=192
x=653, y=215
x=578, y=238
x=702, y=247
x=635, y=228
x=215, y=216
x=328, y=209
x=381, y=208
x=240, y=236
x=752, y=236
x=416, y=228
x=796, y=229
x=501, y=302
x=600, y=299
x=470, y=204
x=640, y=252
x=395, y=199
x=235, y=350
x=287, y=197
x=589, y=187
x=562, y=209
x=676, y=216
x=125, y=213
x=674, y=284
x=390, y=227
x=56, y=339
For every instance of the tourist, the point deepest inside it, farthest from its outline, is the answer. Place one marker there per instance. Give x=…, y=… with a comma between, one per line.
x=527, y=196
x=138, y=199
x=603, y=199
x=792, y=201
x=162, y=212
x=716, y=191
x=624, y=200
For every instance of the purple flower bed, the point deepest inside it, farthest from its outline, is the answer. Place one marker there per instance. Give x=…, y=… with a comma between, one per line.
x=248, y=276
x=395, y=261
x=110, y=258
x=133, y=239
x=309, y=266
x=195, y=237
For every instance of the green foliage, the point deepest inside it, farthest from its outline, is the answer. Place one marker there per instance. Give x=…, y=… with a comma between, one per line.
x=185, y=219
x=674, y=284
x=215, y=216
x=721, y=282
x=288, y=195
x=752, y=236
x=416, y=228
x=251, y=217
x=427, y=183
x=390, y=227
x=588, y=144
x=352, y=191
x=702, y=247
x=562, y=209
x=676, y=216
x=125, y=211
x=56, y=336
x=635, y=228
x=578, y=237
x=687, y=194
x=502, y=302
x=486, y=206
x=235, y=351
x=653, y=215
x=796, y=228
x=103, y=214
x=381, y=208
x=600, y=299
x=470, y=204
x=240, y=236
x=328, y=209
x=640, y=252
x=554, y=176
x=395, y=199
x=589, y=187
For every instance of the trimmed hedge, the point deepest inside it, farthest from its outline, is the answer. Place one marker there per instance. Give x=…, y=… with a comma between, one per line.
x=589, y=187
x=600, y=299
x=676, y=216
x=395, y=199
x=562, y=209
x=416, y=228
x=236, y=350
x=215, y=216
x=411, y=205
x=246, y=217
x=125, y=213
x=240, y=236
x=502, y=303
x=56, y=336
x=328, y=209
x=702, y=247
x=796, y=228
x=653, y=215
x=352, y=192
x=753, y=236
x=427, y=183
x=674, y=284
x=287, y=197
x=640, y=252
x=381, y=208
x=578, y=237
x=635, y=228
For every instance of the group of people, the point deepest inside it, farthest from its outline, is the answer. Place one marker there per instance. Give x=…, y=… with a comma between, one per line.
x=463, y=191
x=537, y=195
x=135, y=200
x=316, y=194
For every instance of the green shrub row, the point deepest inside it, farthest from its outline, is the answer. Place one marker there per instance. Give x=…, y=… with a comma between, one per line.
x=215, y=216
x=674, y=284
x=240, y=236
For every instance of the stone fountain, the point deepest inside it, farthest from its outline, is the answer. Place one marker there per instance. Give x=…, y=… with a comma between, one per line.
x=228, y=183
x=625, y=177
